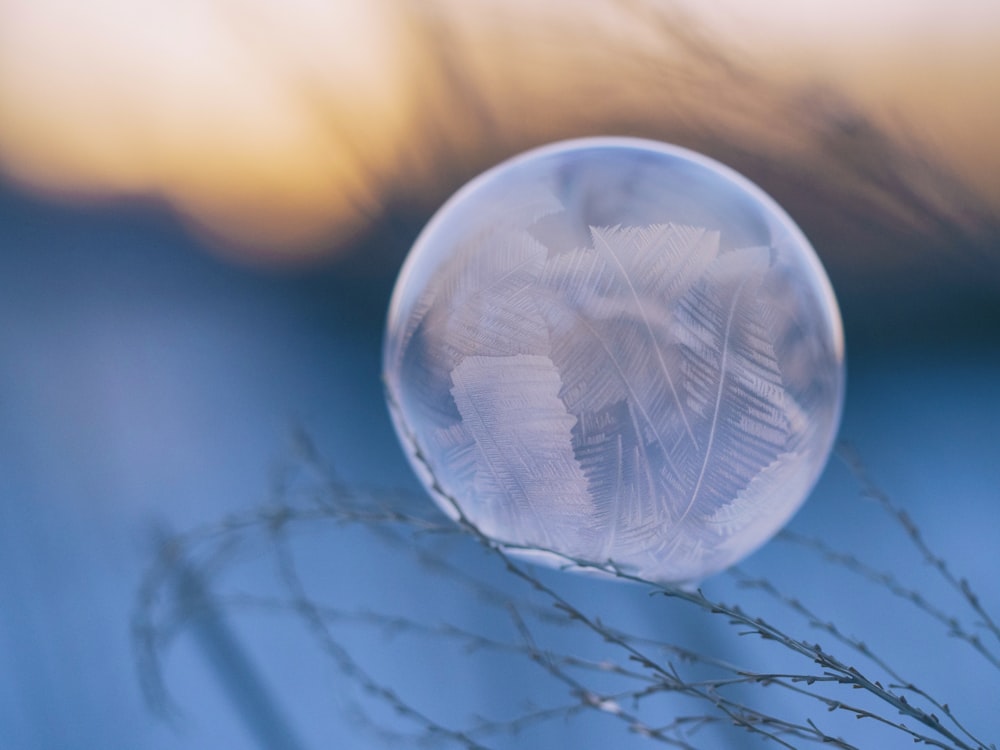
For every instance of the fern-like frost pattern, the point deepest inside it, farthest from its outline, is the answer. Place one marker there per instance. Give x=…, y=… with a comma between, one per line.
x=526, y=474
x=622, y=399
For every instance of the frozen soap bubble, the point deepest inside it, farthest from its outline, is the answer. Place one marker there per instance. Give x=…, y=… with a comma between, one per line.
x=618, y=350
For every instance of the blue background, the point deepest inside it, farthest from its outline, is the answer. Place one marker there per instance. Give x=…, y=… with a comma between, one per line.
x=146, y=386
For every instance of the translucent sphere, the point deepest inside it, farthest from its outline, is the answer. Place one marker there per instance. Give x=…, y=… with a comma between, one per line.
x=616, y=350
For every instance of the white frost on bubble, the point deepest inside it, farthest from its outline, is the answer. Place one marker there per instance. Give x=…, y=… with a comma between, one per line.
x=617, y=358
x=526, y=473
x=762, y=497
x=530, y=206
x=731, y=381
x=655, y=263
x=491, y=308
x=485, y=306
x=607, y=311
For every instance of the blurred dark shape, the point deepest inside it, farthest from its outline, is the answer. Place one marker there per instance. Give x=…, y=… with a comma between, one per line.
x=340, y=150
x=199, y=613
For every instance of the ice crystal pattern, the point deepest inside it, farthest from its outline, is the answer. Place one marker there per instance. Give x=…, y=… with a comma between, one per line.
x=662, y=394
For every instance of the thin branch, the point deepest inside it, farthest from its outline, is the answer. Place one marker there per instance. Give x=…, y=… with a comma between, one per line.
x=852, y=459
x=891, y=583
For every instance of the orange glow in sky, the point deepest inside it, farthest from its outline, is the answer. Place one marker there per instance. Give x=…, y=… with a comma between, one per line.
x=268, y=124
x=279, y=128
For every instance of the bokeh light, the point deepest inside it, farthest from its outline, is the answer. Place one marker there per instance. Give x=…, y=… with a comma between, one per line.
x=270, y=125
x=282, y=131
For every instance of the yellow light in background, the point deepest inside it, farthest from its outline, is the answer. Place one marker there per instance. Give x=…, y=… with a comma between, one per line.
x=280, y=128
x=269, y=124
x=931, y=67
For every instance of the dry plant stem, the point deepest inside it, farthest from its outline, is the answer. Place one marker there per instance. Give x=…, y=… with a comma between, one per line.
x=845, y=673
x=345, y=662
x=556, y=664
x=860, y=647
x=766, y=726
x=393, y=625
x=645, y=670
x=890, y=583
x=849, y=455
x=835, y=669
x=608, y=704
x=656, y=677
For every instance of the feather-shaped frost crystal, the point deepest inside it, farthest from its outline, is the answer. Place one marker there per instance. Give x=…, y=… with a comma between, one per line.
x=615, y=349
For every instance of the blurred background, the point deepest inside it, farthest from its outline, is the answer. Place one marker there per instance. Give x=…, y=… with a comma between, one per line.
x=203, y=206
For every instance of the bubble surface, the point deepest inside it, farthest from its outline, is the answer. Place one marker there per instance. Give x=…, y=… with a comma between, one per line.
x=616, y=349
